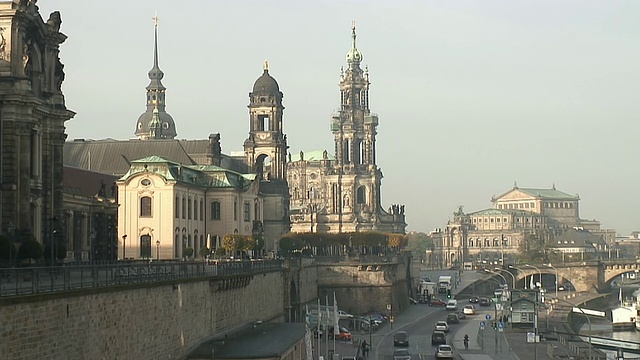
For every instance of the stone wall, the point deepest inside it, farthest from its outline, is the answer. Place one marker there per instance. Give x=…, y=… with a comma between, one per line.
x=153, y=321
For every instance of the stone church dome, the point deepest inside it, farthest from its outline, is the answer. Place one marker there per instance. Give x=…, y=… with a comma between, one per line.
x=266, y=83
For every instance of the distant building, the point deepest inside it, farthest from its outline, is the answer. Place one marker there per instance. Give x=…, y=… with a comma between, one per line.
x=341, y=192
x=518, y=217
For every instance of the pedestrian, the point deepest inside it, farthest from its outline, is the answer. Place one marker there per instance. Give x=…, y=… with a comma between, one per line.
x=365, y=348
x=466, y=341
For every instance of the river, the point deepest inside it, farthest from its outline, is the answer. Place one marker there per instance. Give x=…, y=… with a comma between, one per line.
x=602, y=326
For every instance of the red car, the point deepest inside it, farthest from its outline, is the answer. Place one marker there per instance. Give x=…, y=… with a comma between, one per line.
x=343, y=335
x=437, y=302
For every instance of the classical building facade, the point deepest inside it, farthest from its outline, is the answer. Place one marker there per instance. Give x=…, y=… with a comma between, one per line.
x=497, y=235
x=340, y=192
x=167, y=207
x=32, y=118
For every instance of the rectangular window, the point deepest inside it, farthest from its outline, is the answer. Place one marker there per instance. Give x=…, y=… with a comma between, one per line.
x=195, y=209
x=247, y=211
x=145, y=206
x=177, y=209
x=215, y=210
x=201, y=210
x=189, y=209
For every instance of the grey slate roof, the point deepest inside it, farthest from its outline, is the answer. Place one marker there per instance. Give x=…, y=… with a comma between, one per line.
x=109, y=156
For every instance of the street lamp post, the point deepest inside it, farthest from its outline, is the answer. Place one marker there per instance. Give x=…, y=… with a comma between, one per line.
x=539, y=272
x=124, y=247
x=157, y=249
x=556, y=270
x=513, y=276
x=52, y=243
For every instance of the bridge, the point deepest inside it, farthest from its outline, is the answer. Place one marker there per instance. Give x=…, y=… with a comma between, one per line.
x=594, y=275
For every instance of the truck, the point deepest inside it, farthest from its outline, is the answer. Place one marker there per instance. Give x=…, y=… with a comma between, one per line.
x=427, y=290
x=444, y=283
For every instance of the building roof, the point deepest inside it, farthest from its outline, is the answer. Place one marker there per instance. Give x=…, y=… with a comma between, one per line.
x=543, y=194
x=109, y=156
x=87, y=183
x=266, y=84
x=264, y=341
x=202, y=175
x=576, y=238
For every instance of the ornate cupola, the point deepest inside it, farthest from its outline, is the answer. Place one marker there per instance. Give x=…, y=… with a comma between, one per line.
x=266, y=147
x=155, y=100
x=354, y=126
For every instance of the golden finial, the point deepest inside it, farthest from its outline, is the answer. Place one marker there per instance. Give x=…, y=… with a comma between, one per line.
x=155, y=19
x=353, y=24
x=266, y=65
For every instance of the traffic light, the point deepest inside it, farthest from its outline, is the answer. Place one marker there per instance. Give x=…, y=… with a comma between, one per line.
x=448, y=293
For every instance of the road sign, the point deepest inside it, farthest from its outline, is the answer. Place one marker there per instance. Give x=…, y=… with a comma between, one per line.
x=488, y=317
x=500, y=326
x=482, y=325
x=389, y=307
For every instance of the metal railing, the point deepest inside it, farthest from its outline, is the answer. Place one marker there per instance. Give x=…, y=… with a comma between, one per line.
x=38, y=280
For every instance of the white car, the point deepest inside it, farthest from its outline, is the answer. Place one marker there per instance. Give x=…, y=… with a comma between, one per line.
x=452, y=305
x=444, y=352
x=442, y=326
x=469, y=310
x=401, y=354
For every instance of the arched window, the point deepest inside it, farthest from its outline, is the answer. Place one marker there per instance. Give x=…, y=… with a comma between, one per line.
x=184, y=207
x=176, y=246
x=145, y=206
x=487, y=243
x=470, y=243
x=189, y=208
x=177, y=208
x=145, y=246
x=256, y=210
x=496, y=243
x=201, y=209
x=361, y=195
x=235, y=209
x=215, y=210
x=247, y=211
x=195, y=209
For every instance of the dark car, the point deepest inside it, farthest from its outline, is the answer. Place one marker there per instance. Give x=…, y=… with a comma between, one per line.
x=401, y=338
x=437, y=302
x=484, y=302
x=474, y=299
x=438, y=338
x=453, y=319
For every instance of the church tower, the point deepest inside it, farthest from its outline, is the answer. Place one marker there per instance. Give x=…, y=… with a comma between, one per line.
x=354, y=132
x=164, y=126
x=266, y=155
x=266, y=147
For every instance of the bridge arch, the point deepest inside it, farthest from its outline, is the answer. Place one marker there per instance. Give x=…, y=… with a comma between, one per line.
x=613, y=270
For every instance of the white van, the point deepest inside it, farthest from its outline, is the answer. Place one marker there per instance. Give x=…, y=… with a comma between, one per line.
x=452, y=305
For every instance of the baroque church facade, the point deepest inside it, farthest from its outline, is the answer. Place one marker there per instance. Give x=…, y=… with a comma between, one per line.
x=32, y=118
x=341, y=192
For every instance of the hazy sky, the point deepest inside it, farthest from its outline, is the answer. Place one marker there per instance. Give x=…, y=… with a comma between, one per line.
x=472, y=95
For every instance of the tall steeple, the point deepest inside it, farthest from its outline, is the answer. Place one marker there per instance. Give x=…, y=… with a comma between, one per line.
x=155, y=99
x=354, y=127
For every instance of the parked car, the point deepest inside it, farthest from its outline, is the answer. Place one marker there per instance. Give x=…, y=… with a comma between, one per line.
x=442, y=326
x=474, y=299
x=438, y=337
x=444, y=352
x=469, y=310
x=453, y=319
x=400, y=338
x=484, y=302
x=401, y=354
x=344, y=334
x=437, y=302
x=344, y=315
